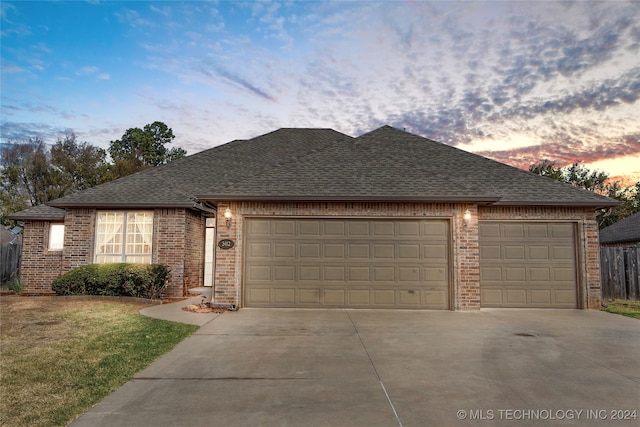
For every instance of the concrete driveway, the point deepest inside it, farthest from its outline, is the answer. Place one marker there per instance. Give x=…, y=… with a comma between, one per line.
x=285, y=367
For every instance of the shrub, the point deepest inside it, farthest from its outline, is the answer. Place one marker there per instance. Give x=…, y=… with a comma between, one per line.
x=120, y=279
x=15, y=285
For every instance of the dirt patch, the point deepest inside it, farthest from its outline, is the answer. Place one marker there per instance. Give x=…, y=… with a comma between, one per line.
x=203, y=308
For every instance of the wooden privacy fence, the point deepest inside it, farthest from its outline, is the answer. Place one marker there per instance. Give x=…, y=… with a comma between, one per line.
x=9, y=262
x=620, y=272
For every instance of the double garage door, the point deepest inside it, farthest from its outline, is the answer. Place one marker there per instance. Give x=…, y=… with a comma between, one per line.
x=528, y=264
x=378, y=263
x=364, y=263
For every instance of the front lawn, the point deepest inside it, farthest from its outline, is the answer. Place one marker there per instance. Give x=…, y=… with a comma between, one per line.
x=625, y=308
x=60, y=356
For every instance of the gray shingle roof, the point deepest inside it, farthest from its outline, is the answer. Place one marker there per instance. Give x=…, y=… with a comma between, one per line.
x=625, y=230
x=39, y=213
x=322, y=164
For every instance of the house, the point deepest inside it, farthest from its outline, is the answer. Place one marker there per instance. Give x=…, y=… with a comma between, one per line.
x=316, y=218
x=625, y=232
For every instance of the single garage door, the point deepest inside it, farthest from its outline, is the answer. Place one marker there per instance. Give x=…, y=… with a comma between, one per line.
x=526, y=264
x=363, y=263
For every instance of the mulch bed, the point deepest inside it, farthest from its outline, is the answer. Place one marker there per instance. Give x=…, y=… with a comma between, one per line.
x=203, y=308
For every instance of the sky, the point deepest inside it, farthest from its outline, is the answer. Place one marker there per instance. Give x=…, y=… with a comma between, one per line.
x=516, y=81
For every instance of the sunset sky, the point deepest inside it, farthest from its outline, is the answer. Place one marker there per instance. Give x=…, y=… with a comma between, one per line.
x=515, y=81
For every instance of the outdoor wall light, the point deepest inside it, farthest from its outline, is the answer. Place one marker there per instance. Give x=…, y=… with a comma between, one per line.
x=466, y=217
x=227, y=215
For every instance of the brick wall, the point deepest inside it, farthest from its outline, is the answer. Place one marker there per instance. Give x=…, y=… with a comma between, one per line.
x=40, y=266
x=178, y=242
x=79, y=235
x=194, y=252
x=465, y=252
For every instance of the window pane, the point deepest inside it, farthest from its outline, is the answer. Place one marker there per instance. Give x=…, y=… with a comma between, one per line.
x=124, y=237
x=56, y=237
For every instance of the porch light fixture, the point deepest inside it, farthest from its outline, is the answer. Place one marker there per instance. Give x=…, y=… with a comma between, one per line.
x=227, y=215
x=466, y=217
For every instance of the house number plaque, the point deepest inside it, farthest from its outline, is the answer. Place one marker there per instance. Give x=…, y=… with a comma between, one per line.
x=225, y=244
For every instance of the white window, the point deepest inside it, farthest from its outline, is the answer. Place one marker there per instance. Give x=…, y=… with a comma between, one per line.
x=56, y=236
x=124, y=237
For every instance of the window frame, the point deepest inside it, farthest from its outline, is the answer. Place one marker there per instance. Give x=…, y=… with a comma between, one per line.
x=60, y=237
x=123, y=237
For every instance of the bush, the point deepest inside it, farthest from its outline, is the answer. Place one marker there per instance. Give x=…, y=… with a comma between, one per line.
x=135, y=280
x=15, y=285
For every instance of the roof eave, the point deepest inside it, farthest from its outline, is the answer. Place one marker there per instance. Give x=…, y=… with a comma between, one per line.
x=578, y=204
x=35, y=218
x=426, y=199
x=107, y=205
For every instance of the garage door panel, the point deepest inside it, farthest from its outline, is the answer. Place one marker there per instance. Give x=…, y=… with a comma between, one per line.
x=516, y=296
x=284, y=296
x=359, y=251
x=408, y=228
x=563, y=253
x=259, y=273
x=334, y=297
x=409, y=252
x=409, y=274
x=284, y=228
x=309, y=228
x=259, y=250
x=540, y=274
x=561, y=231
x=435, y=229
x=309, y=296
x=515, y=274
x=284, y=250
x=333, y=273
x=384, y=274
x=539, y=253
x=334, y=228
x=383, y=251
x=490, y=274
x=383, y=229
x=541, y=296
x=358, y=229
x=435, y=275
x=309, y=273
x=284, y=273
x=536, y=266
x=309, y=250
x=488, y=252
x=436, y=253
x=334, y=250
x=513, y=252
x=385, y=297
x=510, y=231
x=537, y=230
x=563, y=274
x=347, y=263
x=359, y=274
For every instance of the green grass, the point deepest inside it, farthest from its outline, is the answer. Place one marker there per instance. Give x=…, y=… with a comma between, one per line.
x=624, y=308
x=60, y=359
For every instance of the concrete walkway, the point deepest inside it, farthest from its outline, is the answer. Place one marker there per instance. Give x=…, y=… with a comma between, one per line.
x=175, y=313
x=285, y=367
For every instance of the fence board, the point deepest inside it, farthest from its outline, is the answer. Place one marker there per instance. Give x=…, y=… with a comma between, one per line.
x=9, y=262
x=620, y=272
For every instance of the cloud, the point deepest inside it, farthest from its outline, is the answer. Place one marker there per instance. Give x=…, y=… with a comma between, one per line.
x=13, y=131
x=566, y=150
x=238, y=82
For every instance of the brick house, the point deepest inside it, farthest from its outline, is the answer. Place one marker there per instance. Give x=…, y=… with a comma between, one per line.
x=316, y=218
